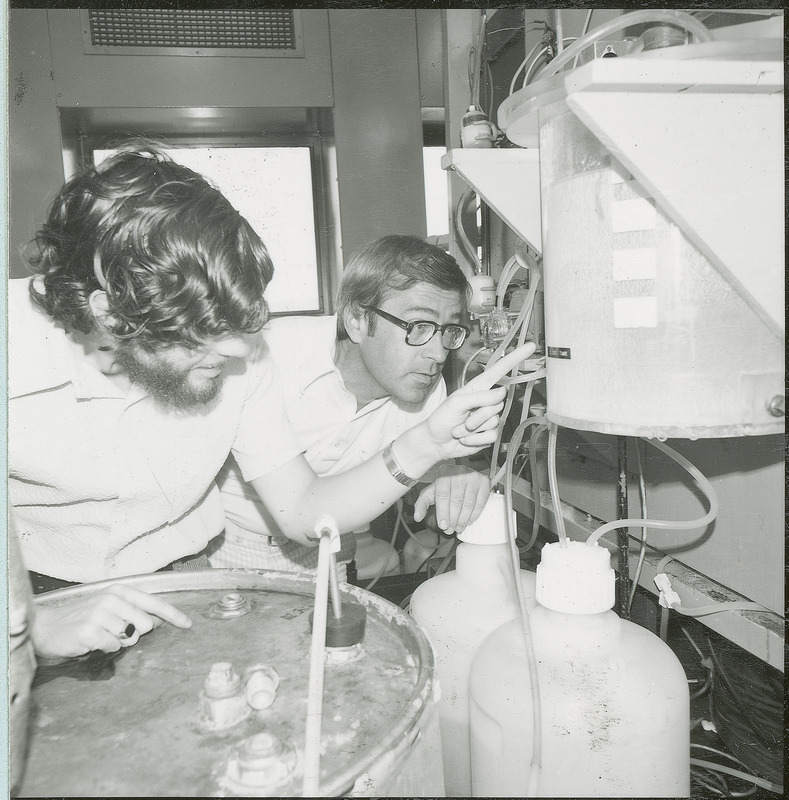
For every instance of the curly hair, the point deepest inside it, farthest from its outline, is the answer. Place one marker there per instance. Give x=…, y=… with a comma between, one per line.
x=177, y=262
x=393, y=264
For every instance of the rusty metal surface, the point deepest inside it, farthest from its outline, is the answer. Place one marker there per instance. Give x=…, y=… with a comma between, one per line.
x=127, y=724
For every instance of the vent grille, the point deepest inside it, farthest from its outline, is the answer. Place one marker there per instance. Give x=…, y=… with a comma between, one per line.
x=182, y=32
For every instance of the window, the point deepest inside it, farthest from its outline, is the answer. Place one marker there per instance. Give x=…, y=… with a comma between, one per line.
x=436, y=191
x=272, y=187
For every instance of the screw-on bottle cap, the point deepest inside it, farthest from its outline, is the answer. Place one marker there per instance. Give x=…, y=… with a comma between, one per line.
x=490, y=527
x=575, y=578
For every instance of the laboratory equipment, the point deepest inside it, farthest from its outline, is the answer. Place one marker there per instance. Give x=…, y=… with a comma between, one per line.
x=659, y=317
x=127, y=723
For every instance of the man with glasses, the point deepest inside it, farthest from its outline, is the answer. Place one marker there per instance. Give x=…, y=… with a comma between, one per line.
x=356, y=381
x=135, y=369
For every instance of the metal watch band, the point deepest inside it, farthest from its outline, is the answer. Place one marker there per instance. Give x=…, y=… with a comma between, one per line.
x=396, y=470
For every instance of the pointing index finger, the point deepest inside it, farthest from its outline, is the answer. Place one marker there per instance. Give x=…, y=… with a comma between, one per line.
x=495, y=373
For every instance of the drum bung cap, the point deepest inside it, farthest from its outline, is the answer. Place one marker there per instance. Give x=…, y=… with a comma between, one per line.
x=348, y=630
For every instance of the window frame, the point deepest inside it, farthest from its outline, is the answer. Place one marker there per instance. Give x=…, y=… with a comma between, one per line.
x=89, y=142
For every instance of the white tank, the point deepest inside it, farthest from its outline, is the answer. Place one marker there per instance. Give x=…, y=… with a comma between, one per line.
x=644, y=336
x=613, y=698
x=458, y=610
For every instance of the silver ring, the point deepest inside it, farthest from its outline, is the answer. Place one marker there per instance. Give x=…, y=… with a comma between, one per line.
x=128, y=631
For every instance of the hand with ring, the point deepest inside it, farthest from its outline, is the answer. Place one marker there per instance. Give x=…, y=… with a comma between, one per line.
x=107, y=621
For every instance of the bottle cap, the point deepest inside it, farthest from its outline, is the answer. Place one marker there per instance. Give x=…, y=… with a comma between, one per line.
x=490, y=527
x=575, y=578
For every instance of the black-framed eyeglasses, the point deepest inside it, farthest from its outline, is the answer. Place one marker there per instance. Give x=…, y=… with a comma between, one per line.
x=422, y=331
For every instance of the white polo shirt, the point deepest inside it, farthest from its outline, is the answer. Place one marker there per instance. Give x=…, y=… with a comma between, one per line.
x=333, y=434
x=105, y=484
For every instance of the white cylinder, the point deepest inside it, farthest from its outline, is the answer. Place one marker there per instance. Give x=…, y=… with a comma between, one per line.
x=644, y=336
x=458, y=610
x=613, y=708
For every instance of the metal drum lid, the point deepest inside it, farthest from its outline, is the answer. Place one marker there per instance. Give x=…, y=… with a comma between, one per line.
x=148, y=720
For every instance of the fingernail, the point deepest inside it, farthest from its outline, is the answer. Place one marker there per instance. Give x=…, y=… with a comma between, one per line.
x=442, y=524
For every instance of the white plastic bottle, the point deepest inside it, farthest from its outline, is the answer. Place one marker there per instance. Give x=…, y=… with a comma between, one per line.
x=374, y=556
x=613, y=697
x=457, y=610
x=423, y=546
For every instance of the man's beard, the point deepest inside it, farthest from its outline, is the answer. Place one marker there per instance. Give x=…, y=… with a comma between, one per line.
x=165, y=383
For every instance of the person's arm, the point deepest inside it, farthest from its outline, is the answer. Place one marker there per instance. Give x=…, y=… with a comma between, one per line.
x=464, y=423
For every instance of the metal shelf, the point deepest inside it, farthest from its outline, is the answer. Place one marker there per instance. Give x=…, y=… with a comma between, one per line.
x=508, y=180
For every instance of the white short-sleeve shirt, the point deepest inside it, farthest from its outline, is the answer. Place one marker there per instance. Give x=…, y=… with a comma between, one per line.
x=333, y=434
x=104, y=483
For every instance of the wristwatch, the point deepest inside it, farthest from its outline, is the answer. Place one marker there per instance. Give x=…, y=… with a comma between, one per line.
x=396, y=470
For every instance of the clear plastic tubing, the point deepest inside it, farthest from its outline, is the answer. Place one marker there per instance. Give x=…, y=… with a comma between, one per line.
x=684, y=20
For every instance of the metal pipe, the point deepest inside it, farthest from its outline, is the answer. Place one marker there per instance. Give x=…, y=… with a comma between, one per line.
x=623, y=538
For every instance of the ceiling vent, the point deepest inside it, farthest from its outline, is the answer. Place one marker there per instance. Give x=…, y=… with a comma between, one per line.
x=182, y=32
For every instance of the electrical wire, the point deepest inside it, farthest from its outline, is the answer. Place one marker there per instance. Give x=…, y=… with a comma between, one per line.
x=703, y=483
x=705, y=662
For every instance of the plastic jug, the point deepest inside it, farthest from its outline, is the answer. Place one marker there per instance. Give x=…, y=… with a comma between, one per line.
x=458, y=610
x=613, y=697
x=423, y=546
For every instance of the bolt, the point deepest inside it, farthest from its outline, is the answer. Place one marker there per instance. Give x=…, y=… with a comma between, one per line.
x=776, y=406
